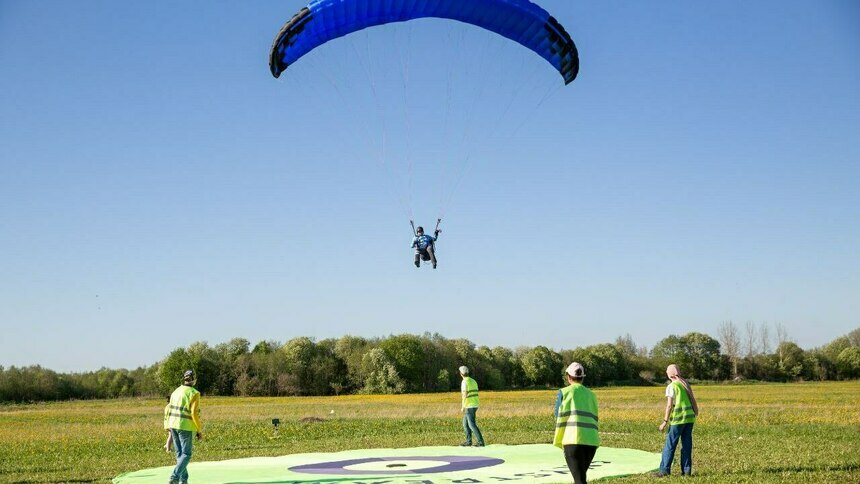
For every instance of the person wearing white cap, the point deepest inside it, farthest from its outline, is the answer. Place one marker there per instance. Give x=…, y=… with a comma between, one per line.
x=576, y=429
x=469, y=393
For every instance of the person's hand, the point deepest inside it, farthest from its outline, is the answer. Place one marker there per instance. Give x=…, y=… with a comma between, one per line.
x=167, y=448
x=463, y=409
x=662, y=426
x=199, y=436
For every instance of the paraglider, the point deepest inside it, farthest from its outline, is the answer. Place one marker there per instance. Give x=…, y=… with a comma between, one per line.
x=425, y=245
x=520, y=21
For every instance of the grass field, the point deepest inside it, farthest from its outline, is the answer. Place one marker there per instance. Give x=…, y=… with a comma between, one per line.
x=807, y=432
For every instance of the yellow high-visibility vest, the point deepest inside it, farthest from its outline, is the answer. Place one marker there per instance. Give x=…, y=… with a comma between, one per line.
x=179, y=409
x=577, y=417
x=682, y=412
x=471, y=399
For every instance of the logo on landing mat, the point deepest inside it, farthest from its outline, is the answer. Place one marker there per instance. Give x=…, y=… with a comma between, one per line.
x=381, y=466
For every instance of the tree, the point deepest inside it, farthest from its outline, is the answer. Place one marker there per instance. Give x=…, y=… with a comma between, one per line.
x=791, y=358
x=831, y=350
x=492, y=376
x=854, y=337
x=300, y=354
x=443, y=380
x=407, y=353
x=265, y=347
x=604, y=363
x=697, y=354
x=751, y=337
x=170, y=370
x=848, y=363
x=540, y=365
x=627, y=346
x=382, y=376
x=730, y=342
x=508, y=364
x=764, y=338
x=328, y=372
x=228, y=355
x=350, y=350
x=781, y=334
x=204, y=362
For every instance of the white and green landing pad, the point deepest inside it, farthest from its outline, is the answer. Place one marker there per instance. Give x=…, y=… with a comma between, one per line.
x=426, y=465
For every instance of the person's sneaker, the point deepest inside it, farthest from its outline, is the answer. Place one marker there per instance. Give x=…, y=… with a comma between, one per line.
x=434, y=266
x=417, y=264
x=660, y=474
x=480, y=445
x=466, y=444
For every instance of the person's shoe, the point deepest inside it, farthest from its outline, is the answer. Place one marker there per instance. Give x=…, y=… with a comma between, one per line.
x=660, y=474
x=434, y=266
x=466, y=444
x=417, y=264
x=480, y=445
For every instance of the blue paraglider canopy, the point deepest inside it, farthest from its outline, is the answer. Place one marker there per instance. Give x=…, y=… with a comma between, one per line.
x=519, y=20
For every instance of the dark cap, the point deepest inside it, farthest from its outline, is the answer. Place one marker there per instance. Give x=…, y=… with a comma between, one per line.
x=188, y=375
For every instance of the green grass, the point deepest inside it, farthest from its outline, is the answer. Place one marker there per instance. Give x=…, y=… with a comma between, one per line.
x=806, y=432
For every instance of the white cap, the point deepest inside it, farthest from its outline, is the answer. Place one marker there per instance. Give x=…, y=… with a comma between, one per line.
x=576, y=370
x=464, y=370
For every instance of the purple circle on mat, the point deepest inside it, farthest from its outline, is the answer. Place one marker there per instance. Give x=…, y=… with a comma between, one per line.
x=454, y=463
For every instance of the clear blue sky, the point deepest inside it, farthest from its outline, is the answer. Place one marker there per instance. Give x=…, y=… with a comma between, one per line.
x=159, y=187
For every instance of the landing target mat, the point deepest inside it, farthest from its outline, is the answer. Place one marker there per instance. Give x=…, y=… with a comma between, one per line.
x=427, y=465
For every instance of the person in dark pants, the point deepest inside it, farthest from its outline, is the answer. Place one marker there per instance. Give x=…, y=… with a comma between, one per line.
x=576, y=429
x=680, y=414
x=425, y=247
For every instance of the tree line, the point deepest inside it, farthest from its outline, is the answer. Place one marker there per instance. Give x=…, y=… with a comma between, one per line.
x=409, y=363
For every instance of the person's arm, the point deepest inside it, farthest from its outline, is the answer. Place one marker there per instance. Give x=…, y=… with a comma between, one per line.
x=168, y=445
x=670, y=403
x=195, y=414
x=463, y=393
x=557, y=403
x=414, y=242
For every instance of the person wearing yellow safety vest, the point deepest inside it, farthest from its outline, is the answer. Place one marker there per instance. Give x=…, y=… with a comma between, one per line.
x=469, y=393
x=576, y=429
x=182, y=417
x=680, y=414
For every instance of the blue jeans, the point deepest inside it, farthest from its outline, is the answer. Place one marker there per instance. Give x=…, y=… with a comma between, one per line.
x=471, y=427
x=182, y=442
x=684, y=433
